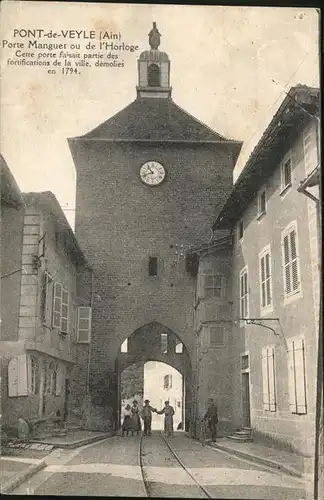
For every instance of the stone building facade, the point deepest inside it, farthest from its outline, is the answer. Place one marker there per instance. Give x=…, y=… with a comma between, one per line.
x=39, y=348
x=274, y=276
x=150, y=181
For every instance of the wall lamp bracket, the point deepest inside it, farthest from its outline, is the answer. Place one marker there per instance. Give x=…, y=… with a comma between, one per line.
x=260, y=322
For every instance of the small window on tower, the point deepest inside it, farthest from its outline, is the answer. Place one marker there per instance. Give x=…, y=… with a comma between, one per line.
x=164, y=343
x=152, y=266
x=179, y=347
x=124, y=346
x=153, y=76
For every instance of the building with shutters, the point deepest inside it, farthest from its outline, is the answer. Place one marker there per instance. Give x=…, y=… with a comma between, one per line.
x=50, y=321
x=267, y=267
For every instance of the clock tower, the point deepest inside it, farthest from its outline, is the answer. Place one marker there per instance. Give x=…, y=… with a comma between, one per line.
x=150, y=181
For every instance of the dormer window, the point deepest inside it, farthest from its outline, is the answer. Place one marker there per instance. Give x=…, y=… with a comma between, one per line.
x=153, y=75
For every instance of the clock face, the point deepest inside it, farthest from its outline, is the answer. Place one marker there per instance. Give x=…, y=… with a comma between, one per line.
x=152, y=173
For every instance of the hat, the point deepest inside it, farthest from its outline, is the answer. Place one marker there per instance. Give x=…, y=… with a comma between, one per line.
x=146, y=401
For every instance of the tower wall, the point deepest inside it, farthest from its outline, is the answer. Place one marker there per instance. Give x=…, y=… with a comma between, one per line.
x=120, y=222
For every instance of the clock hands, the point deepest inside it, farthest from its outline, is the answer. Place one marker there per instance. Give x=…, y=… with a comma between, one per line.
x=152, y=173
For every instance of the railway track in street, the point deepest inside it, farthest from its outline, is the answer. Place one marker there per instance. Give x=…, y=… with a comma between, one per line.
x=147, y=482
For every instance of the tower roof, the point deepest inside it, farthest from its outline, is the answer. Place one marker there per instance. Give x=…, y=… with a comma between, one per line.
x=156, y=120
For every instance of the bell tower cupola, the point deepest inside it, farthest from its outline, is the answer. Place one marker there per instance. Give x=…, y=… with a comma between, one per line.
x=154, y=69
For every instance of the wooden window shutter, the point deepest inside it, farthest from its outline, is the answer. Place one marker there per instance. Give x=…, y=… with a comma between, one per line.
x=64, y=311
x=299, y=350
x=48, y=300
x=287, y=264
x=294, y=264
x=292, y=377
x=13, y=377
x=263, y=285
x=265, y=380
x=268, y=278
x=271, y=372
x=18, y=376
x=57, y=305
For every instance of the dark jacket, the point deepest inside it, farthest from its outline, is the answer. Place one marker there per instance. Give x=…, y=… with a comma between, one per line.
x=212, y=413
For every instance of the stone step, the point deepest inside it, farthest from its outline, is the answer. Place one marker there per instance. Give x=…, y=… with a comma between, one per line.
x=242, y=433
x=246, y=429
x=240, y=439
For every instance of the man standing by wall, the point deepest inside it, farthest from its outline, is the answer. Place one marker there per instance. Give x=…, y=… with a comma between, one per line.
x=212, y=418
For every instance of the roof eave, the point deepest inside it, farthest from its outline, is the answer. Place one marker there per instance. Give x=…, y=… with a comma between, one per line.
x=215, y=245
x=230, y=213
x=235, y=144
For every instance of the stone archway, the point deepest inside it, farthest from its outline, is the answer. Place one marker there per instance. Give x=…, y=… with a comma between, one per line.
x=156, y=342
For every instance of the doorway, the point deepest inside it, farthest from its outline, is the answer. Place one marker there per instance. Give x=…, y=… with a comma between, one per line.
x=246, y=399
x=66, y=398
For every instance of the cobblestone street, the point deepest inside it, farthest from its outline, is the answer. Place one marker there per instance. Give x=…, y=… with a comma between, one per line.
x=113, y=468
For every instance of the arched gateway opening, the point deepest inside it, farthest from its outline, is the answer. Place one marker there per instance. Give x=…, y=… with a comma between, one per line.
x=154, y=345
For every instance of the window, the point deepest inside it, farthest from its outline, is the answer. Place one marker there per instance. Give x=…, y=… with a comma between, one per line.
x=290, y=261
x=265, y=279
x=34, y=378
x=262, y=203
x=46, y=378
x=297, y=376
x=64, y=311
x=60, y=379
x=214, y=285
x=179, y=347
x=84, y=324
x=268, y=379
x=244, y=362
x=52, y=379
x=167, y=382
x=124, y=346
x=240, y=230
x=164, y=343
x=152, y=266
x=216, y=336
x=244, y=294
x=286, y=173
x=60, y=308
x=153, y=75
x=57, y=303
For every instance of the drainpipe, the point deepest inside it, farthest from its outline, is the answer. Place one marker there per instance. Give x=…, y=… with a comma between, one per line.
x=88, y=398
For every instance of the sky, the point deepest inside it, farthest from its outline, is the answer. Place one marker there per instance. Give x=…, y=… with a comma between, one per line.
x=230, y=68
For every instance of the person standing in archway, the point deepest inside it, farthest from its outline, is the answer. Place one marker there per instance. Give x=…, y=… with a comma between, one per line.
x=211, y=416
x=168, y=411
x=136, y=421
x=127, y=420
x=146, y=415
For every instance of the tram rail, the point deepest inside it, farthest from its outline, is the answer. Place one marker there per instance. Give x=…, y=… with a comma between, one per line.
x=146, y=482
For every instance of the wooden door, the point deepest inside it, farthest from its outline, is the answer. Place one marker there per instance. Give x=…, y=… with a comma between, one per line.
x=246, y=399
